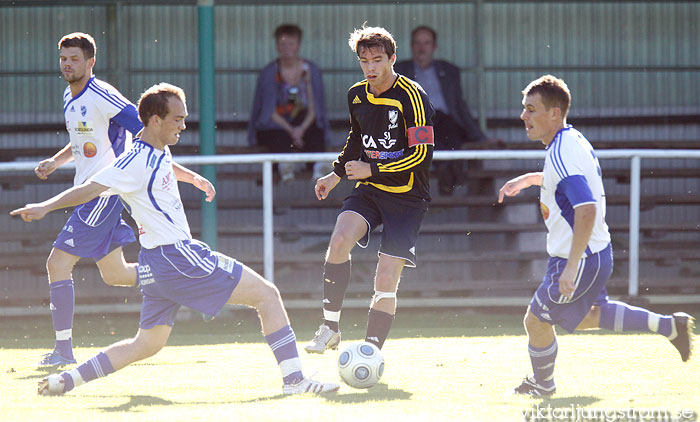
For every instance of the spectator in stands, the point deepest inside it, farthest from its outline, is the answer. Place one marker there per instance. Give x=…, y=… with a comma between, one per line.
x=453, y=122
x=289, y=112
x=572, y=199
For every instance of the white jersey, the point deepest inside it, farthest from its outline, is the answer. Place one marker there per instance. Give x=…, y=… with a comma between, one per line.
x=144, y=179
x=571, y=177
x=97, y=120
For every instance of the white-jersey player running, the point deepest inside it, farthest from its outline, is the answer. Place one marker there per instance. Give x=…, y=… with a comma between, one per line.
x=100, y=124
x=174, y=269
x=573, y=294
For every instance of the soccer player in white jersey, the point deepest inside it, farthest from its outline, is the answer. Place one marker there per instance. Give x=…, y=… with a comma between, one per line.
x=173, y=268
x=100, y=123
x=572, y=199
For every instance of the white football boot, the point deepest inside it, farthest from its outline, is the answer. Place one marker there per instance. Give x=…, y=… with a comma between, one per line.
x=307, y=385
x=325, y=338
x=53, y=385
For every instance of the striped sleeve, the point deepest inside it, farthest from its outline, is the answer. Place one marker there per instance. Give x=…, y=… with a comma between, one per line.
x=128, y=173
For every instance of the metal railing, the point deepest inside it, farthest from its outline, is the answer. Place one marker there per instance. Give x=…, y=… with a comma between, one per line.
x=634, y=155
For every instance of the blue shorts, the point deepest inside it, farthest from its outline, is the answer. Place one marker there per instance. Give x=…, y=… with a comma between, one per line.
x=550, y=307
x=401, y=219
x=184, y=273
x=95, y=229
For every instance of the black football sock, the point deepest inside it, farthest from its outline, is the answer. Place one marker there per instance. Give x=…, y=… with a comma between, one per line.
x=336, y=278
x=378, y=327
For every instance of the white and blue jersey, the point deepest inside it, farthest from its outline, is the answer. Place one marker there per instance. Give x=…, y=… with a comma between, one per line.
x=571, y=177
x=97, y=120
x=143, y=177
x=174, y=269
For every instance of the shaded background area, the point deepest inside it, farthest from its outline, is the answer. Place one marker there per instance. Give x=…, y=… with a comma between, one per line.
x=633, y=68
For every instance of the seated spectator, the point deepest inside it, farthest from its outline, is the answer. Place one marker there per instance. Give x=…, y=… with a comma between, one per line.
x=289, y=113
x=453, y=123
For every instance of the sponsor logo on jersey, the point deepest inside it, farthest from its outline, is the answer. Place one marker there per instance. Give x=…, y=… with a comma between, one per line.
x=82, y=128
x=545, y=210
x=356, y=100
x=83, y=110
x=146, y=275
x=89, y=149
x=369, y=142
x=70, y=243
x=224, y=262
x=383, y=155
x=393, y=117
x=72, y=109
x=167, y=182
x=387, y=142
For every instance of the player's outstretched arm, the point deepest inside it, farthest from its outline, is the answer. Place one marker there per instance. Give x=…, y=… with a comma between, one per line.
x=183, y=174
x=325, y=185
x=71, y=197
x=514, y=186
x=48, y=166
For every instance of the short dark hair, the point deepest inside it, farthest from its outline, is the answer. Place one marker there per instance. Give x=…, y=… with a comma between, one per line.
x=552, y=90
x=288, y=29
x=372, y=37
x=82, y=40
x=424, y=28
x=154, y=101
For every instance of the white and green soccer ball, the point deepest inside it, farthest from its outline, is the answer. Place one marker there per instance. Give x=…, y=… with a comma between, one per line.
x=360, y=365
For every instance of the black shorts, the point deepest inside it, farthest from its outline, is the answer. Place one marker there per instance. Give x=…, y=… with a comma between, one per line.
x=401, y=219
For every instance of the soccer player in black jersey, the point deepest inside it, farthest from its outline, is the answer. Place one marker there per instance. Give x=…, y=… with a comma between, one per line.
x=388, y=152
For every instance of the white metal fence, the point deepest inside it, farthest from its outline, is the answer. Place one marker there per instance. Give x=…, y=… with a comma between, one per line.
x=267, y=160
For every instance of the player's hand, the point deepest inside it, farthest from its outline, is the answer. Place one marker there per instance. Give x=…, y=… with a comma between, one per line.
x=358, y=170
x=31, y=212
x=45, y=167
x=205, y=186
x=566, y=281
x=512, y=188
x=325, y=185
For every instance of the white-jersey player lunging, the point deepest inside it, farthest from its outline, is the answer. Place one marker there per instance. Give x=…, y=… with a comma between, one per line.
x=174, y=269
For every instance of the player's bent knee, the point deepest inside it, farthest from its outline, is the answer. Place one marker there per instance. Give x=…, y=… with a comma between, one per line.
x=533, y=324
x=341, y=241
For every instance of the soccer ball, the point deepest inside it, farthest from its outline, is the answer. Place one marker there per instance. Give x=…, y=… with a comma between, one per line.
x=360, y=365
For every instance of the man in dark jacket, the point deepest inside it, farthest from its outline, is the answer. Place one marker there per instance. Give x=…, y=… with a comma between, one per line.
x=453, y=122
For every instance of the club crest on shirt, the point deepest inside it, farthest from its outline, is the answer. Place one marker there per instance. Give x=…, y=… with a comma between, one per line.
x=545, y=210
x=167, y=182
x=83, y=110
x=393, y=117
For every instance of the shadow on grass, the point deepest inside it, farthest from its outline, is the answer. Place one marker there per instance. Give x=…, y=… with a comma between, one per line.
x=380, y=392
x=135, y=401
x=577, y=401
x=243, y=326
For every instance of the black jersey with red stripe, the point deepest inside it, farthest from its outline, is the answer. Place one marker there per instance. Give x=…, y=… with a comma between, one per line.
x=393, y=132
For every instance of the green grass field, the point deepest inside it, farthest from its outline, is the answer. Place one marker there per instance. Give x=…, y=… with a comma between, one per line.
x=440, y=365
